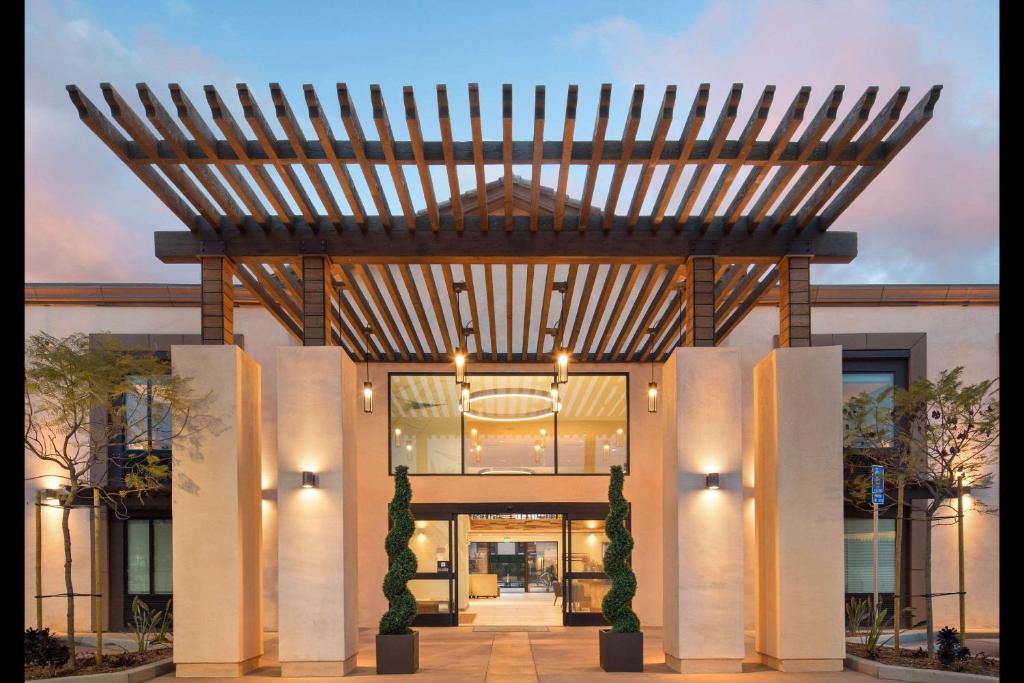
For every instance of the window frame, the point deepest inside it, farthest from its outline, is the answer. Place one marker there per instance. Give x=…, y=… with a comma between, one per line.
x=462, y=424
x=152, y=594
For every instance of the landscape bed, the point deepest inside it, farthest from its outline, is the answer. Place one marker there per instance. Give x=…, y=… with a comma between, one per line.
x=912, y=659
x=112, y=663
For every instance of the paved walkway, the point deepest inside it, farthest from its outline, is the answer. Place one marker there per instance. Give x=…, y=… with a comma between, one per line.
x=559, y=655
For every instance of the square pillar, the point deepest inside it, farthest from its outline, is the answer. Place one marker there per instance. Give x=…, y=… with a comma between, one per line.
x=795, y=301
x=700, y=301
x=215, y=502
x=798, y=509
x=317, y=588
x=218, y=300
x=703, y=528
x=316, y=301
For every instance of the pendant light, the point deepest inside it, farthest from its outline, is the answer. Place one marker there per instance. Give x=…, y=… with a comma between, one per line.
x=562, y=355
x=652, y=392
x=368, y=385
x=461, y=352
x=464, y=398
x=556, y=399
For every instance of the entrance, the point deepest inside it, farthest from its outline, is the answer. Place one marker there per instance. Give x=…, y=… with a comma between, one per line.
x=501, y=564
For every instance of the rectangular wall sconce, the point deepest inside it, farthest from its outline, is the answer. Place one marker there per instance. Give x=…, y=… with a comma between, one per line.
x=711, y=481
x=52, y=495
x=309, y=480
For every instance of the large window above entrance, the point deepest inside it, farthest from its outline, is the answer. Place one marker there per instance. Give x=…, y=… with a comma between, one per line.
x=510, y=427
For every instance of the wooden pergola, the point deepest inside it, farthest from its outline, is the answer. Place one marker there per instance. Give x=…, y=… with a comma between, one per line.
x=349, y=268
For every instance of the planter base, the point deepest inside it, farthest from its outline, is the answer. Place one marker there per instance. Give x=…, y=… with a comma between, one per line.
x=621, y=651
x=398, y=654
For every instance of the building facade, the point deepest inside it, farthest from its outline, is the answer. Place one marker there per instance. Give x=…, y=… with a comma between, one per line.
x=874, y=334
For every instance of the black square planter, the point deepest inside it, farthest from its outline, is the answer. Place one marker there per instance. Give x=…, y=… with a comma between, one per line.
x=399, y=654
x=621, y=651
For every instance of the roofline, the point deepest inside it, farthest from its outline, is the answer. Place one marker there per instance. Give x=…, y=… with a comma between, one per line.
x=187, y=295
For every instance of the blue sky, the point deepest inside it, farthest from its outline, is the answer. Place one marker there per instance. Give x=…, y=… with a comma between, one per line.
x=911, y=220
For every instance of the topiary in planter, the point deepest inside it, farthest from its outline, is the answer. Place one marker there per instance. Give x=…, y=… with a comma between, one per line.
x=618, y=601
x=401, y=603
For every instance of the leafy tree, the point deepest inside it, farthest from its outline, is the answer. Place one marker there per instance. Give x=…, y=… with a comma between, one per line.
x=90, y=409
x=926, y=437
x=401, y=603
x=617, y=604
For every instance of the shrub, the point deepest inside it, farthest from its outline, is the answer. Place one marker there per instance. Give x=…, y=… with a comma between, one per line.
x=145, y=621
x=950, y=651
x=402, y=561
x=617, y=604
x=43, y=648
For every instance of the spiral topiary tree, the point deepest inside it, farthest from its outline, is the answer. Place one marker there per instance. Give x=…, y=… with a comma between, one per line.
x=617, y=604
x=401, y=603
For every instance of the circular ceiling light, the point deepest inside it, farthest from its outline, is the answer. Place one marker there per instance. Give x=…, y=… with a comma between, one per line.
x=506, y=470
x=488, y=395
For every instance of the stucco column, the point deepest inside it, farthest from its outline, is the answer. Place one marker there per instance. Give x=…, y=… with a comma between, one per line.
x=215, y=502
x=703, y=527
x=798, y=490
x=317, y=588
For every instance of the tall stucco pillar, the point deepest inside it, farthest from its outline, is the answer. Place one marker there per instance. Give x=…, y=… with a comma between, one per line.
x=798, y=518
x=703, y=527
x=317, y=588
x=215, y=502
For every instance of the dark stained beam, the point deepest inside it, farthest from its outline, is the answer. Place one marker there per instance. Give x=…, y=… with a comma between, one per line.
x=700, y=301
x=445, y=120
x=628, y=138
x=325, y=134
x=795, y=301
x=387, y=140
x=684, y=149
x=538, y=147
x=218, y=300
x=412, y=121
x=357, y=141
x=597, y=146
x=568, y=129
x=661, y=126
x=317, y=318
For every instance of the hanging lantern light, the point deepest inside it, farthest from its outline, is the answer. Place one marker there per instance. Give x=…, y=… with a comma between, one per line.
x=464, y=398
x=460, y=366
x=461, y=353
x=368, y=385
x=562, y=356
x=556, y=401
x=652, y=393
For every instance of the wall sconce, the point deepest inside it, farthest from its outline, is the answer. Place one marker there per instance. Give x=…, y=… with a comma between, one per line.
x=620, y=437
x=398, y=437
x=556, y=401
x=309, y=480
x=711, y=481
x=464, y=405
x=605, y=450
x=51, y=495
x=536, y=453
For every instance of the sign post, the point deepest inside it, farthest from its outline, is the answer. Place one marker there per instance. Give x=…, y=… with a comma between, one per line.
x=877, y=498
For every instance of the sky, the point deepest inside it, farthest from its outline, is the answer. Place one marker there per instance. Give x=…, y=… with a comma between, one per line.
x=930, y=217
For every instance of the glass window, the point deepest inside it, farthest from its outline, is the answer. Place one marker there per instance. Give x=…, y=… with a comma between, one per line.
x=587, y=594
x=593, y=425
x=426, y=426
x=432, y=595
x=588, y=544
x=138, y=556
x=875, y=385
x=162, y=565
x=430, y=544
x=857, y=542
x=509, y=426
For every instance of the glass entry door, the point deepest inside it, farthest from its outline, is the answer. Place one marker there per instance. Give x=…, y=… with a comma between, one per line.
x=585, y=583
x=433, y=585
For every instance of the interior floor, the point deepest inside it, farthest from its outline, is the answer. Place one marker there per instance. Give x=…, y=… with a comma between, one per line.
x=513, y=609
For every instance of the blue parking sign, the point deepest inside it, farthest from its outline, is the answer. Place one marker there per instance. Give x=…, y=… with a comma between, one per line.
x=877, y=485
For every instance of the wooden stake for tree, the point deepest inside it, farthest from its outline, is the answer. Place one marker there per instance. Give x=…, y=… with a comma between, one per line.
x=960, y=541
x=896, y=613
x=39, y=560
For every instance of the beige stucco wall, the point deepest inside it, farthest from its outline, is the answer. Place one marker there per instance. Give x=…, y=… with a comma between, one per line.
x=956, y=335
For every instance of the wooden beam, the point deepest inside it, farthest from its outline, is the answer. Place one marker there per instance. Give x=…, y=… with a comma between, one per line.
x=417, y=304
x=602, y=302
x=718, y=135
x=236, y=139
x=508, y=311
x=412, y=122
x=478, y=153
x=566, y=302
x=297, y=139
x=435, y=300
x=116, y=142
x=175, y=137
x=563, y=168
x=795, y=301
x=218, y=300
x=908, y=128
x=809, y=139
x=542, y=328
x=866, y=143
x=747, y=139
x=357, y=139
x=449, y=157
x=467, y=270
x=387, y=141
x=325, y=134
x=667, y=286
x=791, y=120
x=538, y=147
x=628, y=138
x=616, y=312
x=506, y=151
x=671, y=331
x=581, y=308
x=619, y=244
x=356, y=293
x=597, y=145
x=269, y=301
x=747, y=304
x=528, y=301
x=661, y=126
x=400, y=304
x=207, y=142
x=700, y=301
x=492, y=353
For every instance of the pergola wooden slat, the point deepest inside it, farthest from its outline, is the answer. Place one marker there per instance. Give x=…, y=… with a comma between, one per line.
x=243, y=198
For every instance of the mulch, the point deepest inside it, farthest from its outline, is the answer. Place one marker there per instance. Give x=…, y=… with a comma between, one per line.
x=87, y=664
x=918, y=659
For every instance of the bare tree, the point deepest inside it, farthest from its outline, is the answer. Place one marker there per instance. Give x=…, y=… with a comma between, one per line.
x=927, y=437
x=100, y=412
